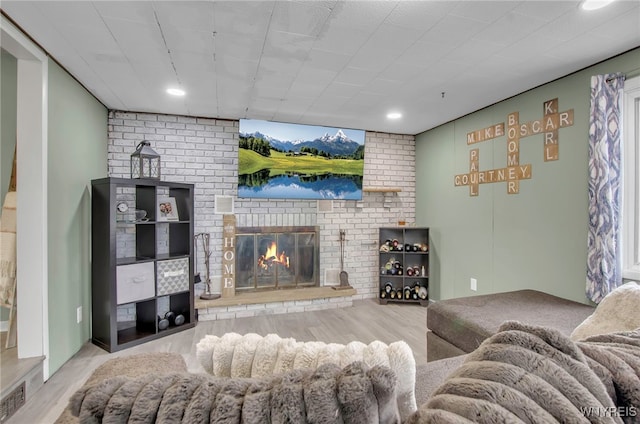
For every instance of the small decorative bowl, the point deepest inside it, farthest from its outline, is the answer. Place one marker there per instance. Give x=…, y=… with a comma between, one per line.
x=141, y=215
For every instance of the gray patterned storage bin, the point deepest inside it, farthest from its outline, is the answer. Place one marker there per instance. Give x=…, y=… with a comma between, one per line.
x=172, y=276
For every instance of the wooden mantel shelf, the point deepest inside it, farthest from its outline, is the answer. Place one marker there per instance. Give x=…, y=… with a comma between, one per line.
x=382, y=190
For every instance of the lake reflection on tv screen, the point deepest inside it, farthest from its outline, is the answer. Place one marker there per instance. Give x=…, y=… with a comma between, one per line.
x=327, y=186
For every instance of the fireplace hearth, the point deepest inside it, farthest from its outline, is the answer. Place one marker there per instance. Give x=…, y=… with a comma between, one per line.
x=272, y=258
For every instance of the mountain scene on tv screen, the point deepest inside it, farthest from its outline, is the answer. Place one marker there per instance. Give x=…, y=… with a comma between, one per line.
x=329, y=165
x=338, y=145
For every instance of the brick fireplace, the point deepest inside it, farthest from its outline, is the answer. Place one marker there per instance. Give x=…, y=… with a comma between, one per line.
x=274, y=258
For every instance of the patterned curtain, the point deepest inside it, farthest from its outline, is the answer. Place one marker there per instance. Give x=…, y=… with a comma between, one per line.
x=604, y=266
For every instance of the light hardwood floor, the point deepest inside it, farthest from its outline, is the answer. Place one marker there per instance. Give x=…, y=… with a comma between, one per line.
x=365, y=321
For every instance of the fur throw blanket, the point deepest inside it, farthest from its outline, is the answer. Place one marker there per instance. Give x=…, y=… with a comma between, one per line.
x=526, y=374
x=353, y=394
x=252, y=355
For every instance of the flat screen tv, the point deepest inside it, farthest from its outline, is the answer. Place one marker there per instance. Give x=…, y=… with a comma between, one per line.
x=293, y=161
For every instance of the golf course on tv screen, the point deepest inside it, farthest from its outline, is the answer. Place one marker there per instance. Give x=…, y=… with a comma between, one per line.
x=293, y=161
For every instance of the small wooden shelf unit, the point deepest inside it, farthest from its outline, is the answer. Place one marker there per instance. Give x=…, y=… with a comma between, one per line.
x=404, y=265
x=163, y=249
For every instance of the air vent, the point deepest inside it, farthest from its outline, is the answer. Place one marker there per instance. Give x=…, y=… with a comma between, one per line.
x=325, y=206
x=331, y=277
x=11, y=403
x=223, y=204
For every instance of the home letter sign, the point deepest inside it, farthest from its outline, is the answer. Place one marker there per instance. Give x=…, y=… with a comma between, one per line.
x=228, y=255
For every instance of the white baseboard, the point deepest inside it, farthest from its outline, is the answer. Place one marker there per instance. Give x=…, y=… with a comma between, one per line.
x=4, y=325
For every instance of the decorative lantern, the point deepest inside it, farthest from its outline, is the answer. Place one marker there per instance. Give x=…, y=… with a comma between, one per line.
x=145, y=162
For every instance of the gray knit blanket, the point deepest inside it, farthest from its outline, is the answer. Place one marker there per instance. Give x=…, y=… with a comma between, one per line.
x=526, y=374
x=329, y=394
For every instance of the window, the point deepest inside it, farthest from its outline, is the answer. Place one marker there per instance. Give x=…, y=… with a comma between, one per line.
x=631, y=181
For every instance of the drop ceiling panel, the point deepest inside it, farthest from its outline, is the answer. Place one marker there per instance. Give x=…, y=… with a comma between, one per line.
x=452, y=30
x=62, y=17
x=290, y=59
x=510, y=28
x=360, y=15
x=323, y=77
x=386, y=37
x=341, y=90
x=200, y=42
x=342, y=40
x=327, y=100
x=306, y=89
x=242, y=18
x=531, y=48
x=191, y=16
x=274, y=86
x=547, y=11
x=570, y=26
x=474, y=52
x=483, y=11
x=382, y=87
x=330, y=61
x=570, y=54
x=141, y=12
x=374, y=59
x=305, y=18
x=232, y=45
x=295, y=103
x=617, y=31
x=138, y=41
x=423, y=54
x=277, y=64
x=401, y=71
x=421, y=15
x=355, y=76
x=229, y=68
x=288, y=46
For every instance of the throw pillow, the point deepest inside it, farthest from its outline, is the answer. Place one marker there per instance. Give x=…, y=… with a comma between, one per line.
x=618, y=311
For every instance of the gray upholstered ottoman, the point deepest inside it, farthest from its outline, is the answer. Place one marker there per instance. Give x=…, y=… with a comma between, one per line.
x=458, y=326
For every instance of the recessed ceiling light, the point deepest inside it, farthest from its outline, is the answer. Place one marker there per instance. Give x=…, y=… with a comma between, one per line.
x=594, y=4
x=175, y=91
x=394, y=115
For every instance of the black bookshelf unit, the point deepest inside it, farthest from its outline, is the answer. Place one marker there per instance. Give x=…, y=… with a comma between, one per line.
x=404, y=265
x=142, y=261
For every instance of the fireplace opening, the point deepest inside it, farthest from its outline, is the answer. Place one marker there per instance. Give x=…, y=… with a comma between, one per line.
x=271, y=258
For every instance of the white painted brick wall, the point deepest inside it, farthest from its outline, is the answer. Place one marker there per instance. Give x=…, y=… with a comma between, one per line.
x=204, y=152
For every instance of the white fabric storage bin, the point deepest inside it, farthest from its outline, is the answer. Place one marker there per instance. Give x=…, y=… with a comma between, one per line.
x=135, y=282
x=173, y=276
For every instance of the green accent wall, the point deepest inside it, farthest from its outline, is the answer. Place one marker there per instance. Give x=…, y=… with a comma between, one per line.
x=8, y=119
x=77, y=153
x=536, y=239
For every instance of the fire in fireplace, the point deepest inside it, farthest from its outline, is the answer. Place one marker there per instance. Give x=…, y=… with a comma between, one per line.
x=276, y=257
x=271, y=258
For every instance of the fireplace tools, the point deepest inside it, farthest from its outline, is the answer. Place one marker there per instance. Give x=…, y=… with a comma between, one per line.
x=204, y=239
x=344, y=276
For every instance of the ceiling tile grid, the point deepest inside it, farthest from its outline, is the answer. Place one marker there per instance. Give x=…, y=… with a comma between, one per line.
x=327, y=62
